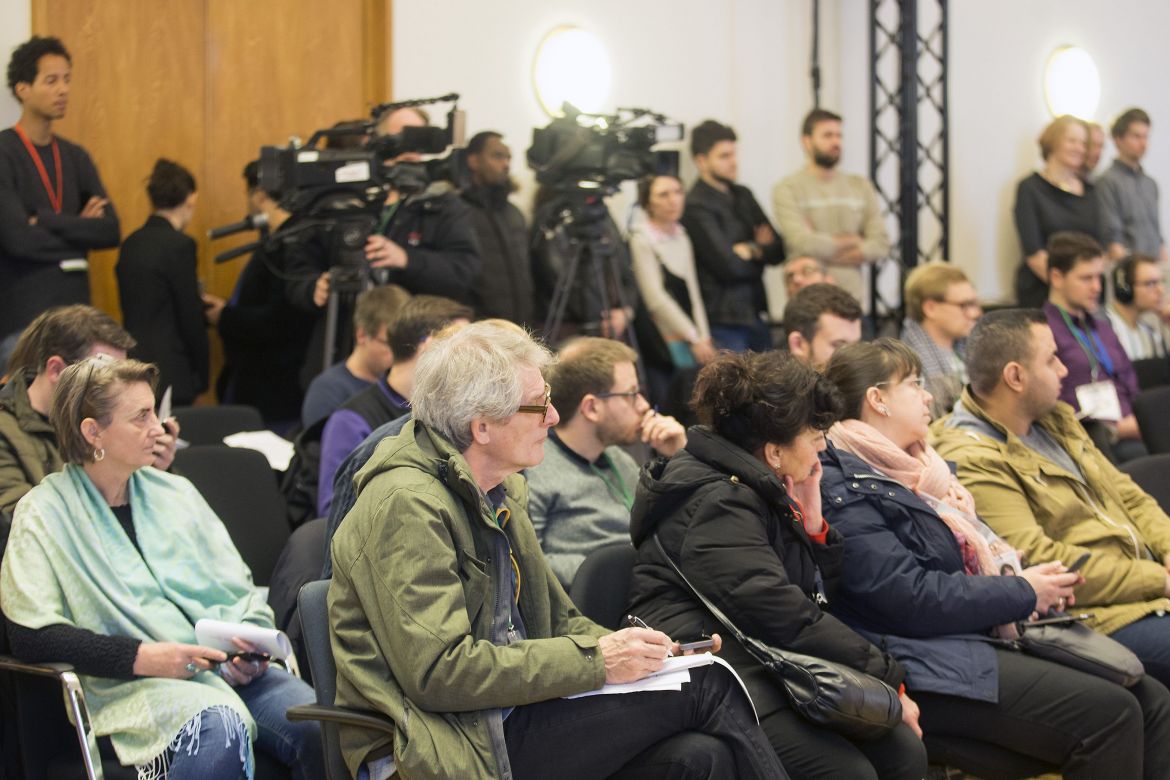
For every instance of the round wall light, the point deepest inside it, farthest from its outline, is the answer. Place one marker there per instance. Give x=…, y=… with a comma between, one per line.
x=1071, y=83
x=571, y=65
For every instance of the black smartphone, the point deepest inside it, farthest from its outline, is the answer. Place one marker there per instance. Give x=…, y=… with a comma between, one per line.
x=702, y=643
x=247, y=656
x=1059, y=620
x=1079, y=562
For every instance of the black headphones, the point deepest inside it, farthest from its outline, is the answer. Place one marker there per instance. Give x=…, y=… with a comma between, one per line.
x=1123, y=274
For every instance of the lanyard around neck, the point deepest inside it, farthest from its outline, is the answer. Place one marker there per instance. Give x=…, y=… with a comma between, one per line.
x=1089, y=348
x=617, y=490
x=54, y=197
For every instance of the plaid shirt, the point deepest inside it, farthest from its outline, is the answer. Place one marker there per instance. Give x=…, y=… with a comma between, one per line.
x=945, y=373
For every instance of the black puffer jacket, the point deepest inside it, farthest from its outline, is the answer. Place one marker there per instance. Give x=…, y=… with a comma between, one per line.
x=504, y=288
x=727, y=522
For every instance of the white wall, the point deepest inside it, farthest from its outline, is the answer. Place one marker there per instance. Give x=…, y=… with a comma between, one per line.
x=999, y=48
x=15, y=24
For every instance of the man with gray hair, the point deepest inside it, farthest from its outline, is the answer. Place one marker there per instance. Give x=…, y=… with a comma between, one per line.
x=445, y=617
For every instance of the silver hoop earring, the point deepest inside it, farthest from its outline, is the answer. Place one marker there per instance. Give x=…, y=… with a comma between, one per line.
x=99, y=454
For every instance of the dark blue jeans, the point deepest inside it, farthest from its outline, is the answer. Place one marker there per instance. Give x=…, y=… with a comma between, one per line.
x=740, y=338
x=1149, y=639
x=216, y=753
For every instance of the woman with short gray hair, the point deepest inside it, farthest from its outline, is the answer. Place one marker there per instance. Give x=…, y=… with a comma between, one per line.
x=109, y=565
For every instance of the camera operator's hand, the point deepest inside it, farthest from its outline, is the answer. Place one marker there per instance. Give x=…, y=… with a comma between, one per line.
x=321, y=290
x=213, y=307
x=381, y=252
x=744, y=250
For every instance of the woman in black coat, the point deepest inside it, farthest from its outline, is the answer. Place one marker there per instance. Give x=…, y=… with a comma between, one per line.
x=922, y=578
x=738, y=510
x=162, y=305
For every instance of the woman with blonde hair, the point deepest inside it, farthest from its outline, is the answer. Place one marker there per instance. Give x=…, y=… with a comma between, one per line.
x=1050, y=200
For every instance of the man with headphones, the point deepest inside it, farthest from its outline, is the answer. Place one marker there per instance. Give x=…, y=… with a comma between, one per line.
x=1138, y=293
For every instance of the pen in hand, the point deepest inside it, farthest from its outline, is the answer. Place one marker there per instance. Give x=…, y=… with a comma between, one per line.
x=633, y=621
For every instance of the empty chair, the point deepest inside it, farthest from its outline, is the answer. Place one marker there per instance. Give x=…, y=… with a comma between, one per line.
x=1150, y=410
x=209, y=424
x=1152, y=474
x=1152, y=372
x=300, y=562
x=314, y=617
x=240, y=487
x=602, y=584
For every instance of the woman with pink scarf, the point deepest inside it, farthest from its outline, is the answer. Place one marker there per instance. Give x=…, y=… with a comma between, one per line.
x=921, y=578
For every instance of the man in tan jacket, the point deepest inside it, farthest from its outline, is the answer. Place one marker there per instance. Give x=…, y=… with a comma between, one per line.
x=1042, y=485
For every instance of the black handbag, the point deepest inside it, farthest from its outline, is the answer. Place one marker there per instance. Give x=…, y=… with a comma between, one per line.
x=1079, y=647
x=828, y=694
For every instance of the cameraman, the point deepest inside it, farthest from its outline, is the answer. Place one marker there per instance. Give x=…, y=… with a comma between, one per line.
x=424, y=242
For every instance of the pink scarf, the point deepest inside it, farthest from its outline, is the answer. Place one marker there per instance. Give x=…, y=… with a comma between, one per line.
x=925, y=472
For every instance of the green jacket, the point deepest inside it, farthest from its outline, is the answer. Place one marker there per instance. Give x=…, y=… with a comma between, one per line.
x=1050, y=514
x=418, y=612
x=28, y=447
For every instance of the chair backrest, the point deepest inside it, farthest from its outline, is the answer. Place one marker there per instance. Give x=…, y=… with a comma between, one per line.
x=201, y=425
x=1152, y=372
x=1150, y=473
x=1150, y=410
x=241, y=488
x=300, y=562
x=602, y=584
x=314, y=615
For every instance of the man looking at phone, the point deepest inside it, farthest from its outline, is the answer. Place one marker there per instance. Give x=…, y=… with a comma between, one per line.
x=28, y=444
x=1042, y=485
x=53, y=207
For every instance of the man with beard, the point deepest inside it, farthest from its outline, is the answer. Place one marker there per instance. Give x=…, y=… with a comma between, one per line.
x=504, y=288
x=1042, y=485
x=733, y=241
x=831, y=216
x=581, y=493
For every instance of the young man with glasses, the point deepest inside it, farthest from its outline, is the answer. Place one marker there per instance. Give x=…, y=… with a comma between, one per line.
x=941, y=310
x=581, y=493
x=1135, y=311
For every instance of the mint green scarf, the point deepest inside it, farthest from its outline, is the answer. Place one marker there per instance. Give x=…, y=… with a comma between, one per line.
x=68, y=561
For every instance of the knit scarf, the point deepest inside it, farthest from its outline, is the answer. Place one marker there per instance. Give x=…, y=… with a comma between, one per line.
x=69, y=562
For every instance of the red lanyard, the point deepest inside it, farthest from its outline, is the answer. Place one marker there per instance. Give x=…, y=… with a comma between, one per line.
x=54, y=198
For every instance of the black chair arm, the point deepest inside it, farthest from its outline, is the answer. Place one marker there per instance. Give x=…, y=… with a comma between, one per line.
x=341, y=715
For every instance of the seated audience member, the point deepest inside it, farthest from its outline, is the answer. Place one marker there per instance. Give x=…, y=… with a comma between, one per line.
x=819, y=320
x=922, y=575
x=828, y=214
x=1051, y=200
x=579, y=496
x=445, y=617
x=1093, y=149
x=738, y=511
x=504, y=288
x=664, y=267
x=941, y=309
x=109, y=565
x=733, y=242
x=51, y=343
x=1100, y=383
x=159, y=287
x=387, y=399
x=264, y=336
x=344, y=496
x=1042, y=485
x=800, y=272
x=1136, y=308
x=370, y=359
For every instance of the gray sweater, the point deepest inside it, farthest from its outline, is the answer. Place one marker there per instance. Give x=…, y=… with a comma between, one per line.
x=574, y=509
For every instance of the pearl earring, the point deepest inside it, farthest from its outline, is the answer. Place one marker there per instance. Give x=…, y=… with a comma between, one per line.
x=885, y=410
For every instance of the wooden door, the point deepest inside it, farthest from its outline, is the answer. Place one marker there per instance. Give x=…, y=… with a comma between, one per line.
x=206, y=83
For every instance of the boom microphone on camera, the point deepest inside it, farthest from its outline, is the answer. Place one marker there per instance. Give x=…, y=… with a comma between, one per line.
x=250, y=222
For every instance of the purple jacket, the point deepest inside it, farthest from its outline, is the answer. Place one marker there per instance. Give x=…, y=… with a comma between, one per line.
x=1078, y=363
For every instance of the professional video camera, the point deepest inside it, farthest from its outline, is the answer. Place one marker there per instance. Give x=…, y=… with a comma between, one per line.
x=583, y=158
x=335, y=197
x=600, y=151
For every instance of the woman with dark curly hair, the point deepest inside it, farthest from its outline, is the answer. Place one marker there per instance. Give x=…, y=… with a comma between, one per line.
x=738, y=510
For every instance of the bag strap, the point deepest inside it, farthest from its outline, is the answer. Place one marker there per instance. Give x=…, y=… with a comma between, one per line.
x=753, y=646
